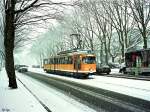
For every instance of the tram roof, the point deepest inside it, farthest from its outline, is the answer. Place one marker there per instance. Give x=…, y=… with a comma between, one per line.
x=76, y=51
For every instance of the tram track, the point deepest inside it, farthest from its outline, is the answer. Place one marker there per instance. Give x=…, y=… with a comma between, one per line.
x=95, y=97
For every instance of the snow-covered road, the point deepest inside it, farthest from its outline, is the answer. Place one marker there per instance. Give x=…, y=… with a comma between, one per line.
x=136, y=88
x=22, y=100
x=53, y=99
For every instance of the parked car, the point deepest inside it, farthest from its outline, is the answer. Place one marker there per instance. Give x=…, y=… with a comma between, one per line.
x=100, y=68
x=19, y=66
x=23, y=69
x=122, y=68
x=35, y=66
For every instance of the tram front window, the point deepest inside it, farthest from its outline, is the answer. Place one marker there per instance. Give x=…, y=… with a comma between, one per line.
x=88, y=60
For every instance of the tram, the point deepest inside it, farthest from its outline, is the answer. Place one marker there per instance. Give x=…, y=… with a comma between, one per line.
x=77, y=63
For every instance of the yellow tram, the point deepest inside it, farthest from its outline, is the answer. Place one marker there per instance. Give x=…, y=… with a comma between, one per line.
x=78, y=63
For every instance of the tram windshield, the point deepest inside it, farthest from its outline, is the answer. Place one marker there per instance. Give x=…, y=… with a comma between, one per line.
x=88, y=60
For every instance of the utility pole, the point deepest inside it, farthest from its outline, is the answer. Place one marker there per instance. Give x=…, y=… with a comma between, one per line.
x=79, y=41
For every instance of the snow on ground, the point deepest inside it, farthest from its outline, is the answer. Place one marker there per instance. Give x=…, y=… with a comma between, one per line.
x=136, y=88
x=16, y=100
x=52, y=98
x=115, y=71
x=21, y=100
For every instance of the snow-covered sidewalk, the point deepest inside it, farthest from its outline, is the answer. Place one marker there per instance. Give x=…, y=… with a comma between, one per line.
x=17, y=100
x=21, y=100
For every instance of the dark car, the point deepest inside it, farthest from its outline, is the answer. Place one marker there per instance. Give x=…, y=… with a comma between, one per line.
x=23, y=69
x=102, y=69
x=122, y=68
x=19, y=66
x=35, y=66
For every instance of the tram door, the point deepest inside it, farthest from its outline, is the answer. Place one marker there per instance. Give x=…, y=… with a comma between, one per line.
x=77, y=63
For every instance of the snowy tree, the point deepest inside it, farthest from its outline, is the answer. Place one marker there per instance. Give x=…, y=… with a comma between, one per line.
x=141, y=14
x=17, y=16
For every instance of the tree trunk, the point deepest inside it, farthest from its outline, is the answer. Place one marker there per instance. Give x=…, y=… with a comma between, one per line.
x=144, y=38
x=9, y=65
x=113, y=59
x=106, y=51
x=145, y=43
x=122, y=53
x=9, y=37
x=106, y=55
x=101, y=53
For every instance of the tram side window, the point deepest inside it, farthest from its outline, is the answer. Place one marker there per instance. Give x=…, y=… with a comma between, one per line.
x=57, y=60
x=46, y=61
x=54, y=60
x=70, y=60
x=64, y=61
x=60, y=60
x=51, y=60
